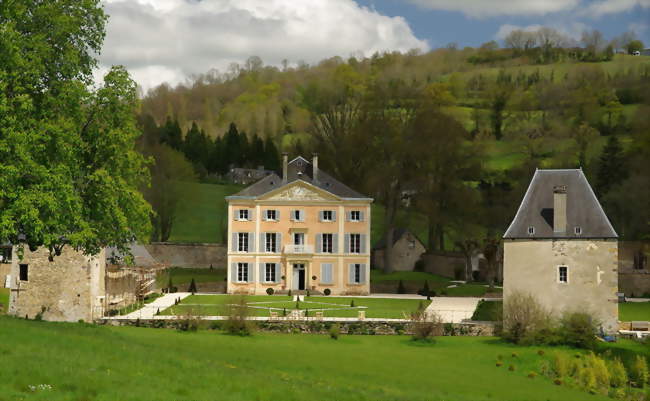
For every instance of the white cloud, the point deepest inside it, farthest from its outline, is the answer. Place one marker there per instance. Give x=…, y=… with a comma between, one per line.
x=603, y=7
x=167, y=40
x=492, y=8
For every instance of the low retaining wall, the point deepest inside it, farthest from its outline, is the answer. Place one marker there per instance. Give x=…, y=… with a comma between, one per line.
x=189, y=255
x=634, y=284
x=367, y=327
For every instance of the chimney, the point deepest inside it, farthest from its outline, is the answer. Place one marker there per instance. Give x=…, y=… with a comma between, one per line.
x=285, y=167
x=559, y=209
x=315, y=168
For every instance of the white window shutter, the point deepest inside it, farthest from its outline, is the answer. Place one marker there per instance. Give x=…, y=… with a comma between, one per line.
x=335, y=243
x=233, y=272
x=333, y=215
x=277, y=215
x=251, y=242
x=321, y=216
x=351, y=273
x=362, y=238
x=234, y=246
x=251, y=214
x=348, y=216
x=302, y=215
x=362, y=275
x=347, y=244
x=262, y=242
x=361, y=216
x=278, y=238
x=319, y=243
x=262, y=276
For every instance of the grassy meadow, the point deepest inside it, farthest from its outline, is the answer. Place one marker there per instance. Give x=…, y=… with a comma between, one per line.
x=4, y=300
x=215, y=305
x=65, y=361
x=181, y=276
x=630, y=311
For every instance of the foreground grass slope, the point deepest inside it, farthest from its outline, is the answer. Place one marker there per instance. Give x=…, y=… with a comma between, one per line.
x=83, y=362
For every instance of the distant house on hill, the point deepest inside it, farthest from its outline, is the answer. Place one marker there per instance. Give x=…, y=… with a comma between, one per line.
x=407, y=249
x=247, y=176
x=562, y=249
x=300, y=231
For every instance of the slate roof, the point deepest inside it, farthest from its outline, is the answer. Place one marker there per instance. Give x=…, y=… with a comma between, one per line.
x=583, y=208
x=299, y=169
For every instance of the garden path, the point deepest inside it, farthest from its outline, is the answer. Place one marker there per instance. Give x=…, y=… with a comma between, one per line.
x=162, y=303
x=453, y=309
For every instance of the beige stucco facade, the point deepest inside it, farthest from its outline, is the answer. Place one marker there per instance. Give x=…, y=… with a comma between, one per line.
x=291, y=257
x=68, y=288
x=532, y=266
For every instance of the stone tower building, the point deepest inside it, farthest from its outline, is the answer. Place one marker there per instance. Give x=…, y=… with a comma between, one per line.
x=562, y=249
x=68, y=288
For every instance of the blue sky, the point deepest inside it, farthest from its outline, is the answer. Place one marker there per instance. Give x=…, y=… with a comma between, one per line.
x=171, y=40
x=440, y=24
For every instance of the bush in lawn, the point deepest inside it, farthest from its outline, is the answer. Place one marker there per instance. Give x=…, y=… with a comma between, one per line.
x=639, y=371
x=270, y=291
x=618, y=375
x=578, y=329
x=522, y=315
x=400, y=288
x=298, y=303
x=425, y=289
x=189, y=321
x=327, y=291
x=352, y=304
x=236, y=322
x=335, y=331
x=307, y=294
x=560, y=365
x=425, y=326
x=599, y=367
x=192, y=288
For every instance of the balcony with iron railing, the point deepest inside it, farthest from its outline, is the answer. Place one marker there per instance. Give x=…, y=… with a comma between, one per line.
x=298, y=249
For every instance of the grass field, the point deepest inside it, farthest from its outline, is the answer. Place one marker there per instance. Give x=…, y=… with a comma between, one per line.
x=215, y=305
x=4, y=300
x=83, y=362
x=630, y=311
x=181, y=277
x=202, y=215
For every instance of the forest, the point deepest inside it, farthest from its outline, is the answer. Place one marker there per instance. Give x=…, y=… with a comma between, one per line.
x=454, y=133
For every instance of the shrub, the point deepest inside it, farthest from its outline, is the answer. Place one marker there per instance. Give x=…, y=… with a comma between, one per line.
x=39, y=315
x=511, y=368
x=236, y=322
x=270, y=291
x=639, y=371
x=419, y=266
x=618, y=375
x=540, y=352
x=514, y=355
x=578, y=329
x=425, y=289
x=192, y=287
x=587, y=378
x=335, y=331
x=599, y=368
x=289, y=293
x=189, y=322
x=400, y=288
x=560, y=365
x=557, y=382
x=327, y=291
x=308, y=293
x=352, y=304
x=522, y=316
x=532, y=375
x=425, y=326
x=499, y=364
x=284, y=311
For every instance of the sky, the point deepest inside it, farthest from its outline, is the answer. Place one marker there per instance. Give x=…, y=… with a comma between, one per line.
x=170, y=40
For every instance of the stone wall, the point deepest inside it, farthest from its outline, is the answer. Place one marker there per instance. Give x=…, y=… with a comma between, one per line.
x=5, y=270
x=445, y=264
x=318, y=327
x=189, y=255
x=68, y=288
x=406, y=252
x=633, y=280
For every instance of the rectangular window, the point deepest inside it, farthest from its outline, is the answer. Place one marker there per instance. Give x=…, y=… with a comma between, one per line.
x=271, y=242
x=242, y=244
x=578, y=230
x=24, y=270
x=531, y=230
x=355, y=243
x=355, y=215
x=269, y=273
x=327, y=243
x=243, y=214
x=5, y=255
x=640, y=260
x=357, y=273
x=272, y=215
x=563, y=274
x=328, y=215
x=242, y=272
x=297, y=215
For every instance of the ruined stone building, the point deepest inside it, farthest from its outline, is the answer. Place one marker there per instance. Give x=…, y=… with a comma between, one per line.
x=562, y=249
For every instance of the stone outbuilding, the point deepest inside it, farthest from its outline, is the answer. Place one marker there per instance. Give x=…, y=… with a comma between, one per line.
x=407, y=249
x=562, y=249
x=68, y=287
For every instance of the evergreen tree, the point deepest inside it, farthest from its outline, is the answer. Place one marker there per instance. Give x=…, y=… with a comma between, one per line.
x=612, y=169
x=192, y=288
x=256, y=152
x=218, y=162
x=271, y=155
x=232, y=148
x=244, y=155
x=192, y=146
x=171, y=134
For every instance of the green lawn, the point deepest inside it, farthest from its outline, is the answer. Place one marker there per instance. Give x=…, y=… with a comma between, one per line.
x=469, y=290
x=83, y=362
x=215, y=305
x=203, y=214
x=378, y=276
x=4, y=300
x=630, y=311
x=181, y=277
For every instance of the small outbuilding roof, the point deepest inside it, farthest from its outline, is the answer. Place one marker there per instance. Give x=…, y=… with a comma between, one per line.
x=582, y=208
